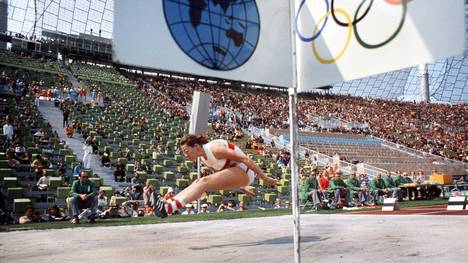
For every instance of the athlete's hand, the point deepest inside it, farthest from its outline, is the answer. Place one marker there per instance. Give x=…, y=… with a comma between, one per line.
x=272, y=181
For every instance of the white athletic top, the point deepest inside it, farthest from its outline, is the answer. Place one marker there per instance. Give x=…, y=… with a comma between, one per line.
x=211, y=161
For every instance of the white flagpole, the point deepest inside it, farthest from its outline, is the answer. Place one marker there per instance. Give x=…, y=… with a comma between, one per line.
x=293, y=138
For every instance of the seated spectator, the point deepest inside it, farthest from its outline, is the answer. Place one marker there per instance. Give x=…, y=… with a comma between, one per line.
x=105, y=160
x=225, y=207
x=102, y=201
x=323, y=185
x=69, y=131
x=40, y=134
x=83, y=194
x=204, y=209
x=309, y=190
x=188, y=210
x=54, y=214
x=77, y=169
x=356, y=189
x=30, y=216
x=149, y=198
x=340, y=190
x=43, y=182
x=39, y=165
x=21, y=154
x=12, y=162
x=378, y=188
x=136, y=180
x=119, y=173
x=169, y=195
x=391, y=186
x=278, y=203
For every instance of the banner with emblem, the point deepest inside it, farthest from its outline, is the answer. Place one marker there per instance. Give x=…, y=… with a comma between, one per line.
x=244, y=40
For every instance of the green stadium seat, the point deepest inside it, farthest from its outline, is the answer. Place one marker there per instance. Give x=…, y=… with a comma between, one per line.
x=143, y=175
x=193, y=176
x=158, y=168
x=243, y=198
x=122, y=160
x=10, y=182
x=4, y=164
x=15, y=192
x=118, y=200
x=285, y=182
x=178, y=158
x=189, y=164
x=167, y=163
x=215, y=199
x=182, y=183
x=169, y=176
x=97, y=181
x=6, y=172
x=182, y=169
x=69, y=159
x=63, y=192
x=154, y=182
x=20, y=205
x=269, y=198
x=65, y=152
x=130, y=167
x=55, y=182
x=286, y=176
x=51, y=172
x=283, y=190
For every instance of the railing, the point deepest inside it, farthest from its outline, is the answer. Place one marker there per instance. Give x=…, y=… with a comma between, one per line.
x=318, y=158
x=332, y=123
x=414, y=152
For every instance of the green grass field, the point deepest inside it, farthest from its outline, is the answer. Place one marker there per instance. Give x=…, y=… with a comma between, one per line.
x=201, y=217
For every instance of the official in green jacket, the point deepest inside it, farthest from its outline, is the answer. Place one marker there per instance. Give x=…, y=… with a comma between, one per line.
x=354, y=186
x=340, y=189
x=378, y=188
x=392, y=187
x=83, y=196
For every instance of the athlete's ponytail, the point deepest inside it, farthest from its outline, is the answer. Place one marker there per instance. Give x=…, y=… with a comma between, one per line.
x=192, y=140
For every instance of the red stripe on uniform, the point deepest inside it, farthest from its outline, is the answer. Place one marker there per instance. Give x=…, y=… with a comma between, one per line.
x=178, y=204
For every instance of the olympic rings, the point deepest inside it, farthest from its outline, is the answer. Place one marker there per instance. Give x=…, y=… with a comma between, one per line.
x=309, y=39
x=348, y=39
x=355, y=20
x=351, y=23
x=393, y=36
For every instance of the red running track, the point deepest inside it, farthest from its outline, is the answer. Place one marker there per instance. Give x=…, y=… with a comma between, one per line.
x=422, y=210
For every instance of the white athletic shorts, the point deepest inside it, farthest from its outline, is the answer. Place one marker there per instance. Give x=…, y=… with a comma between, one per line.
x=250, y=173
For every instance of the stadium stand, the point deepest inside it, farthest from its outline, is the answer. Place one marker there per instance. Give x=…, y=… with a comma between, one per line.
x=136, y=123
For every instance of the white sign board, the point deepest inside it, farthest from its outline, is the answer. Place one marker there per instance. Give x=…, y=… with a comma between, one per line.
x=239, y=40
x=344, y=40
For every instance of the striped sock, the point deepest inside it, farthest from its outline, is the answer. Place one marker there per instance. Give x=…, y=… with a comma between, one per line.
x=175, y=205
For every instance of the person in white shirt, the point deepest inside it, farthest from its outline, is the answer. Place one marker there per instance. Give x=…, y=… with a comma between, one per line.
x=87, y=154
x=8, y=131
x=43, y=182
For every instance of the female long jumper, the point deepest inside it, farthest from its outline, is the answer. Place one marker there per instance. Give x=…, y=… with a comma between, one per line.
x=233, y=170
